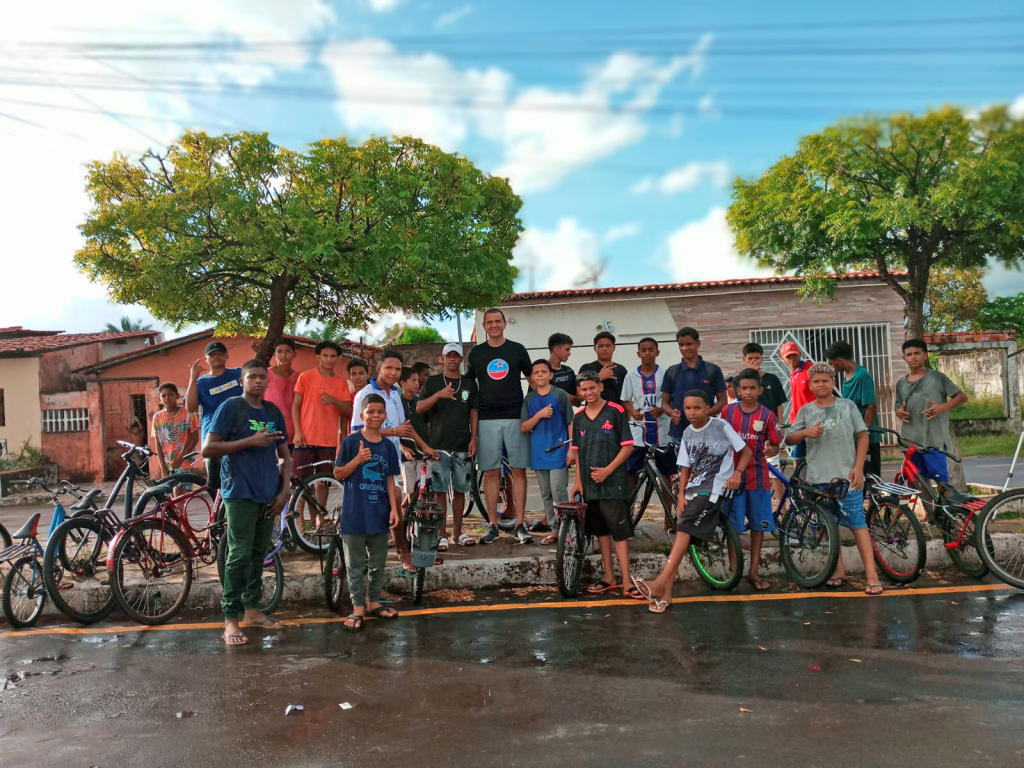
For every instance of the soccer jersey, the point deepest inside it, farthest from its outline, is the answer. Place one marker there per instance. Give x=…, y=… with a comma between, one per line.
x=710, y=454
x=681, y=378
x=564, y=378
x=756, y=429
x=645, y=394
x=214, y=390
x=597, y=442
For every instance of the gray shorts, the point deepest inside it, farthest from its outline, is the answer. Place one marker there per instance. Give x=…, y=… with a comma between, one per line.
x=492, y=435
x=411, y=474
x=449, y=472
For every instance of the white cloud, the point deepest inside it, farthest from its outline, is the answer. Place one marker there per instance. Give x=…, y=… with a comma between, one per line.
x=621, y=232
x=383, y=6
x=552, y=260
x=685, y=178
x=446, y=20
x=706, y=106
x=1017, y=107
x=703, y=250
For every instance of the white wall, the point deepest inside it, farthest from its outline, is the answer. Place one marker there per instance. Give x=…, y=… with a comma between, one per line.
x=19, y=379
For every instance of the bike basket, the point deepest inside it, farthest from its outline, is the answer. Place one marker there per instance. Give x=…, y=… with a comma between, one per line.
x=426, y=534
x=574, y=508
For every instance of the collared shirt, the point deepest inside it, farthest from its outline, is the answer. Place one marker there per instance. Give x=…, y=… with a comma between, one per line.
x=681, y=378
x=393, y=403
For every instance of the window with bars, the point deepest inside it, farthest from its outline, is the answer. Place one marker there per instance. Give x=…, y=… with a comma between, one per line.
x=66, y=420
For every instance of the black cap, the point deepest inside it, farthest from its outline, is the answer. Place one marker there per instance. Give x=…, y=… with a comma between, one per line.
x=216, y=346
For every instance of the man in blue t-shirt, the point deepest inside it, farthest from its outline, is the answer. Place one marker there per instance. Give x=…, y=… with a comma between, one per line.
x=546, y=416
x=247, y=434
x=693, y=372
x=206, y=393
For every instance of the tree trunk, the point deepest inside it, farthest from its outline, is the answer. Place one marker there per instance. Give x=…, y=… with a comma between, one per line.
x=917, y=291
x=914, y=310
x=956, y=469
x=278, y=316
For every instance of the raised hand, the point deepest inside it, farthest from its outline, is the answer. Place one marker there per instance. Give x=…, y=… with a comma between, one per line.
x=196, y=368
x=814, y=432
x=546, y=412
x=608, y=372
x=364, y=455
x=933, y=410
x=448, y=393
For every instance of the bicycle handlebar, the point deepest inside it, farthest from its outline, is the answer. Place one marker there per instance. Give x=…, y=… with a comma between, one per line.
x=132, y=448
x=63, y=487
x=905, y=442
x=556, y=446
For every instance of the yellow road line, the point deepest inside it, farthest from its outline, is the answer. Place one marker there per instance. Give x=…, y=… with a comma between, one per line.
x=753, y=598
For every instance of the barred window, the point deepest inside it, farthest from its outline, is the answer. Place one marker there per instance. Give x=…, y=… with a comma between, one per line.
x=66, y=420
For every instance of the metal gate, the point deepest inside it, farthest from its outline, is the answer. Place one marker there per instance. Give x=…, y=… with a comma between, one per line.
x=870, y=344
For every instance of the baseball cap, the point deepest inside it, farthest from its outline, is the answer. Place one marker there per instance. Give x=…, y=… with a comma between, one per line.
x=789, y=348
x=452, y=346
x=215, y=346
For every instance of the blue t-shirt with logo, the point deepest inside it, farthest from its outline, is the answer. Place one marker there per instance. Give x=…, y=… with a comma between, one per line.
x=548, y=432
x=365, y=507
x=214, y=390
x=252, y=474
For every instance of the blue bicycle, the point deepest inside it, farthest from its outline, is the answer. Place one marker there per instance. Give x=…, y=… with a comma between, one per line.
x=24, y=590
x=808, y=532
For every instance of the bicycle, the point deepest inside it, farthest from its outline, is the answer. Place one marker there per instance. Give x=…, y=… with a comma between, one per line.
x=24, y=595
x=506, y=510
x=305, y=500
x=75, y=559
x=897, y=538
x=423, y=520
x=952, y=512
x=1000, y=524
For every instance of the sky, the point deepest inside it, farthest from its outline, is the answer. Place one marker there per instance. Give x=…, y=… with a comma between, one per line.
x=621, y=125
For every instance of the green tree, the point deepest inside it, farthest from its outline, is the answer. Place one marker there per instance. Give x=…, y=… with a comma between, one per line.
x=240, y=232
x=906, y=193
x=329, y=331
x=420, y=334
x=1003, y=314
x=954, y=298
x=127, y=324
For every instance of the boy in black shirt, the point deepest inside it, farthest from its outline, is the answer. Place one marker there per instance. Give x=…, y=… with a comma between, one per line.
x=602, y=441
x=562, y=376
x=611, y=374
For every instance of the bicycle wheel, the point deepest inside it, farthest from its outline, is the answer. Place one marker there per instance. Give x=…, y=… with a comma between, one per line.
x=1000, y=525
x=719, y=562
x=24, y=594
x=273, y=576
x=569, y=556
x=966, y=556
x=336, y=579
x=642, y=492
x=506, y=522
x=809, y=543
x=417, y=585
x=897, y=540
x=320, y=497
x=199, y=507
x=75, y=570
x=152, y=573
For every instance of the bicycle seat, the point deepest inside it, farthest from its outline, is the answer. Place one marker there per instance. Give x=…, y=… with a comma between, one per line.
x=87, y=501
x=959, y=498
x=28, y=530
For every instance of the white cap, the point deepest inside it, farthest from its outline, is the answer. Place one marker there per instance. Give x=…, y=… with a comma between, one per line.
x=452, y=346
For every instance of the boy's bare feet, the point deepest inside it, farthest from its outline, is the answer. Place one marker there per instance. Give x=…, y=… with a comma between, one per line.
x=255, y=618
x=232, y=634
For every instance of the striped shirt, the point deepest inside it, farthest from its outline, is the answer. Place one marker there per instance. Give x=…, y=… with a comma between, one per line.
x=756, y=429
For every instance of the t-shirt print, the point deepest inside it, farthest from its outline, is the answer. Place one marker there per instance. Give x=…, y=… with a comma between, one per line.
x=497, y=369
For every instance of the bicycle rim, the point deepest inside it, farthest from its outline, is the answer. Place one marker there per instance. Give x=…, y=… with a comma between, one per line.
x=321, y=498
x=897, y=541
x=719, y=562
x=569, y=556
x=336, y=578
x=642, y=493
x=24, y=594
x=966, y=556
x=152, y=572
x=809, y=543
x=75, y=570
x=1000, y=525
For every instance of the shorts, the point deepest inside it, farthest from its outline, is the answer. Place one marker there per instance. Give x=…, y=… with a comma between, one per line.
x=448, y=472
x=187, y=487
x=873, y=461
x=493, y=435
x=310, y=454
x=798, y=451
x=609, y=517
x=213, y=473
x=664, y=461
x=774, y=461
x=412, y=473
x=932, y=465
x=851, y=509
x=752, y=510
x=699, y=518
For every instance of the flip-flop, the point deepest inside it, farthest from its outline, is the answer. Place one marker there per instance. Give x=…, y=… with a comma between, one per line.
x=390, y=599
x=406, y=574
x=600, y=587
x=465, y=540
x=442, y=545
x=358, y=625
x=657, y=606
x=551, y=538
x=267, y=623
x=378, y=613
x=643, y=588
x=836, y=583
x=635, y=593
x=236, y=638
x=870, y=590
x=758, y=585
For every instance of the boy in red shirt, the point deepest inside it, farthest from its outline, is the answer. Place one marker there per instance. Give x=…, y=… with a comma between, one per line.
x=799, y=387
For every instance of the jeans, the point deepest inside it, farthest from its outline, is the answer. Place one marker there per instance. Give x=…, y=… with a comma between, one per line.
x=554, y=489
x=365, y=553
x=249, y=530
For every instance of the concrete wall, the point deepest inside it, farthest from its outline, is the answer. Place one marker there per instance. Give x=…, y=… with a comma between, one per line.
x=19, y=379
x=78, y=455
x=427, y=353
x=57, y=368
x=122, y=346
x=978, y=373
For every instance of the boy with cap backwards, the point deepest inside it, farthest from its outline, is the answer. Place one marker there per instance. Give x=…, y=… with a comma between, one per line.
x=800, y=393
x=448, y=404
x=205, y=394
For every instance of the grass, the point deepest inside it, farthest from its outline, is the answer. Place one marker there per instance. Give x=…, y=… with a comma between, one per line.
x=992, y=444
x=979, y=408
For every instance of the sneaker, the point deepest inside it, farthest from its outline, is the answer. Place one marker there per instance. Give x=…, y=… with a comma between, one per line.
x=492, y=535
x=523, y=536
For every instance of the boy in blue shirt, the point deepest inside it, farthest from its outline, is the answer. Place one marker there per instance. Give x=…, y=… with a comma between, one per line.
x=546, y=415
x=247, y=437
x=367, y=464
x=206, y=393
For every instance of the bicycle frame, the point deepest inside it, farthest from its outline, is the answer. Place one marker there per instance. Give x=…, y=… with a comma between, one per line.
x=661, y=485
x=32, y=545
x=938, y=500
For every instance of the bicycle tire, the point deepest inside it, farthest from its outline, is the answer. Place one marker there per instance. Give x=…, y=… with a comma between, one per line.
x=1005, y=555
x=811, y=560
x=5, y=538
x=81, y=571
x=134, y=550
x=336, y=579
x=504, y=485
x=569, y=555
x=967, y=557
x=144, y=504
x=274, y=569
x=417, y=585
x=640, y=498
x=719, y=562
x=897, y=542
x=33, y=587
x=297, y=521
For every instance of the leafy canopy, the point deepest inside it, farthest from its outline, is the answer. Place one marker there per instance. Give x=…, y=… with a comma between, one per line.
x=1003, y=314
x=955, y=297
x=240, y=232
x=420, y=334
x=127, y=324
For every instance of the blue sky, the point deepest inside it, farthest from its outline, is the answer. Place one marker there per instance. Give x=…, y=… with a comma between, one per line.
x=621, y=125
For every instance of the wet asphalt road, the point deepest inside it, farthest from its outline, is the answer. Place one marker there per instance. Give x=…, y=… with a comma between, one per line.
x=922, y=680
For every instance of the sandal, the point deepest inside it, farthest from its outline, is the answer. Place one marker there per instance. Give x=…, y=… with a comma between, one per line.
x=658, y=606
x=758, y=585
x=442, y=545
x=405, y=573
x=357, y=622
x=551, y=538
x=267, y=623
x=466, y=540
x=381, y=613
x=874, y=590
x=600, y=587
x=635, y=593
x=387, y=598
x=235, y=639
x=836, y=583
x=643, y=588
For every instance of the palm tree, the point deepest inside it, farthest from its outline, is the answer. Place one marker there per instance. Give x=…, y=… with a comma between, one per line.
x=329, y=331
x=127, y=324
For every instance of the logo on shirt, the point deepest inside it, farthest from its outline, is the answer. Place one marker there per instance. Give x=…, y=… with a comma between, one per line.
x=373, y=475
x=497, y=369
x=465, y=396
x=259, y=426
x=224, y=387
x=607, y=426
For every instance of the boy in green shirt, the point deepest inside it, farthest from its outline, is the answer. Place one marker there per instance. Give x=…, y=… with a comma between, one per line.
x=858, y=386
